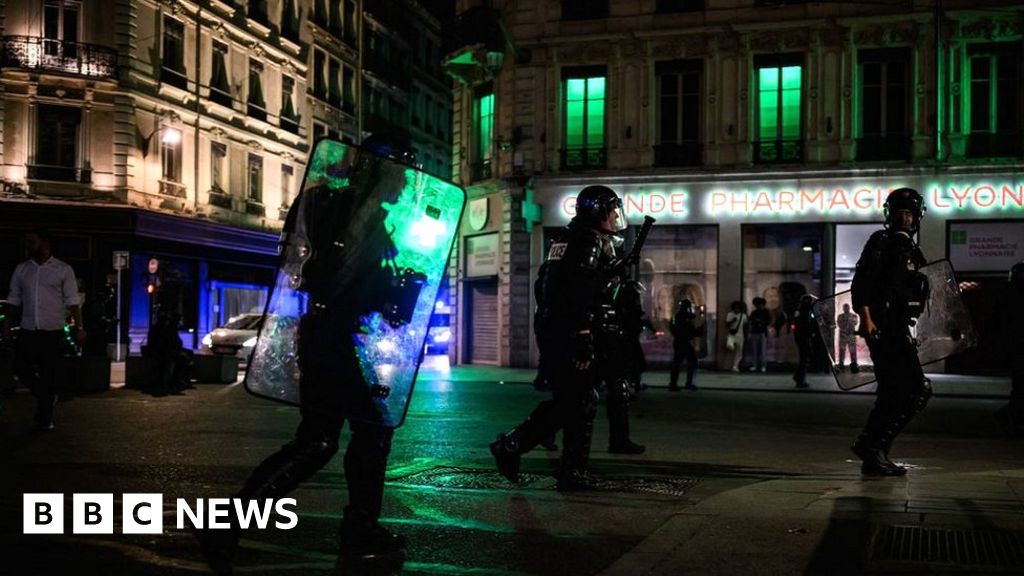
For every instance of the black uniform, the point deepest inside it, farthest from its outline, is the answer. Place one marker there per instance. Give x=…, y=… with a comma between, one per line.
x=887, y=282
x=632, y=321
x=685, y=329
x=1011, y=416
x=339, y=281
x=803, y=333
x=575, y=297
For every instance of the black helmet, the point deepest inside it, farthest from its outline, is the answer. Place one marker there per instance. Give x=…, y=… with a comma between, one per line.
x=904, y=199
x=686, y=307
x=807, y=300
x=595, y=203
x=1017, y=275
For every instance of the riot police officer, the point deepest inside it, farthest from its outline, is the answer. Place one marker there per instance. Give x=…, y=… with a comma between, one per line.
x=340, y=283
x=577, y=318
x=632, y=321
x=889, y=294
x=687, y=328
x=1011, y=416
x=803, y=332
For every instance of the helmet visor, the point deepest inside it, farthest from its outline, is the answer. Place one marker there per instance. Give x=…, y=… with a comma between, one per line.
x=616, y=218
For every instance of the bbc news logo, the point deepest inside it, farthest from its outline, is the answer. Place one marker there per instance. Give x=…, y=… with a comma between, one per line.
x=143, y=513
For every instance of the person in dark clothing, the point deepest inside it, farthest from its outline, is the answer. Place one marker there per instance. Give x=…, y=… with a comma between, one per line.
x=1011, y=416
x=163, y=345
x=804, y=326
x=632, y=321
x=889, y=294
x=760, y=320
x=687, y=329
x=847, y=324
x=577, y=319
x=338, y=264
x=621, y=365
x=540, y=381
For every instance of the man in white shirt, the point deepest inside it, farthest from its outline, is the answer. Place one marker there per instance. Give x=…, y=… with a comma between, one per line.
x=45, y=289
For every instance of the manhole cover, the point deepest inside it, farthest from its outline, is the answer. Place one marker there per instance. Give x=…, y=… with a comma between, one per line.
x=992, y=550
x=475, y=479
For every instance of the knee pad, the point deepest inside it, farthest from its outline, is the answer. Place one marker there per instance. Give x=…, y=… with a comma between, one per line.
x=618, y=392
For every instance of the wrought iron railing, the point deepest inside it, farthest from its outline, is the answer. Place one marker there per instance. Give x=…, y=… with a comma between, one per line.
x=778, y=151
x=584, y=158
x=35, y=53
x=175, y=189
x=220, y=200
x=59, y=173
x=677, y=154
x=872, y=148
x=1009, y=144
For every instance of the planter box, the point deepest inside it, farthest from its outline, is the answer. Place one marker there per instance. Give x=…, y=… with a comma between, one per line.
x=215, y=368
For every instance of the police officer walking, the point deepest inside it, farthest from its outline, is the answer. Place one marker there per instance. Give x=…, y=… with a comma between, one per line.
x=576, y=312
x=686, y=329
x=889, y=294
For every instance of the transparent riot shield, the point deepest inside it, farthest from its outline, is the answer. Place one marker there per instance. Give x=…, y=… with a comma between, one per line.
x=363, y=253
x=943, y=329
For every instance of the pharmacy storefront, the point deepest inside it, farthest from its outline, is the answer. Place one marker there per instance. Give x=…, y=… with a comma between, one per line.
x=783, y=234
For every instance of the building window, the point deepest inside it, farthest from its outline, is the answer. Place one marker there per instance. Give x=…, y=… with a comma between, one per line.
x=778, y=118
x=583, y=111
x=257, y=104
x=349, y=87
x=258, y=11
x=60, y=28
x=287, y=182
x=220, y=87
x=994, y=102
x=334, y=83
x=679, y=113
x=170, y=156
x=173, y=63
x=289, y=118
x=57, y=137
x=289, y=21
x=483, y=133
x=254, y=180
x=350, y=23
x=584, y=9
x=319, y=63
x=218, y=167
x=884, y=101
x=320, y=13
x=679, y=5
x=319, y=130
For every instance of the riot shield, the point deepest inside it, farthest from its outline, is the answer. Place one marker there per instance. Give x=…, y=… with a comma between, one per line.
x=943, y=329
x=363, y=252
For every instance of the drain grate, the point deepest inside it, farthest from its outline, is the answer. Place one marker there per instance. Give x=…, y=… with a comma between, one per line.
x=456, y=478
x=967, y=548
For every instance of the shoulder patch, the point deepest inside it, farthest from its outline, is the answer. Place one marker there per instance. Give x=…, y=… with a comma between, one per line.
x=557, y=251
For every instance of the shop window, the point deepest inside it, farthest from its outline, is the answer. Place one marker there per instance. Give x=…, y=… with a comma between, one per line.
x=679, y=113
x=583, y=113
x=884, y=77
x=778, y=125
x=257, y=106
x=483, y=133
x=173, y=58
x=584, y=9
x=993, y=103
x=780, y=264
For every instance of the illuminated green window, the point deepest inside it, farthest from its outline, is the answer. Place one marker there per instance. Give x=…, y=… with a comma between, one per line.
x=883, y=99
x=483, y=127
x=584, y=119
x=778, y=118
x=993, y=102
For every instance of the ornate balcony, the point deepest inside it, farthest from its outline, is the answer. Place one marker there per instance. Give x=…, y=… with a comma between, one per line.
x=584, y=158
x=45, y=54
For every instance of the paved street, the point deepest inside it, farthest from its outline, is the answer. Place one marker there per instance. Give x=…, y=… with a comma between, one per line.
x=740, y=477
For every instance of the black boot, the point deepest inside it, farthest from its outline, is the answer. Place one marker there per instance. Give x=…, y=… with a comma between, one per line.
x=874, y=460
x=626, y=447
x=507, y=456
x=218, y=548
x=365, y=539
x=574, y=474
x=618, y=429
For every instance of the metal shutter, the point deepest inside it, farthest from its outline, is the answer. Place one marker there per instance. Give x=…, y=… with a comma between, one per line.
x=483, y=323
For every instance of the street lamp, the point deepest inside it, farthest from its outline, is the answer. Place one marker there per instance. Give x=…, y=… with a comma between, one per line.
x=170, y=136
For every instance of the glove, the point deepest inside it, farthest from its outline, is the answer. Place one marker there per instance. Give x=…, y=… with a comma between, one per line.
x=583, y=348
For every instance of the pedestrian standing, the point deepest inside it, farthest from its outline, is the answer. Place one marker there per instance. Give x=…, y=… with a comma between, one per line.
x=847, y=323
x=687, y=329
x=804, y=326
x=889, y=294
x=736, y=322
x=46, y=291
x=760, y=320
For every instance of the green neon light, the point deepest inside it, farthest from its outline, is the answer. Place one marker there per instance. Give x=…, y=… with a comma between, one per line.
x=778, y=102
x=584, y=112
x=485, y=126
